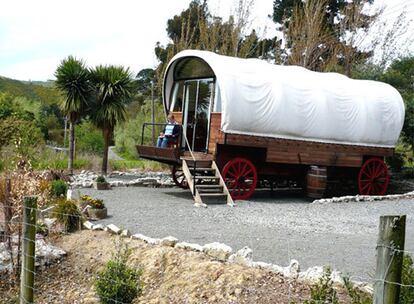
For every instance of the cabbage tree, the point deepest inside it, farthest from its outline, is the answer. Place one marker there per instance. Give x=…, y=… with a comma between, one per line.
x=73, y=80
x=114, y=89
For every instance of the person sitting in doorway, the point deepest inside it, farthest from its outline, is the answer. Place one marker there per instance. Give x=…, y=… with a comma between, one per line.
x=170, y=133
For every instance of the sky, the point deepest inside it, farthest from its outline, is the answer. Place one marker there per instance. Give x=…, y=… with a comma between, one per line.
x=36, y=35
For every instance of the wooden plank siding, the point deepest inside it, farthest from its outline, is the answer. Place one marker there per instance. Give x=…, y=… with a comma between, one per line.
x=288, y=151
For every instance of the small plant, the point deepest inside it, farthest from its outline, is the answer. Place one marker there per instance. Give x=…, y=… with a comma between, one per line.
x=59, y=188
x=100, y=179
x=67, y=213
x=45, y=186
x=324, y=292
x=93, y=202
x=407, y=278
x=41, y=228
x=357, y=296
x=118, y=283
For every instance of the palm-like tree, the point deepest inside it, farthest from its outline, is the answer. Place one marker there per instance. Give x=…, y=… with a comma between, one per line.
x=73, y=79
x=114, y=87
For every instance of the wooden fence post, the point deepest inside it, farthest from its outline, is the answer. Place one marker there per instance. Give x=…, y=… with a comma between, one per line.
x=390, y=255
x=28, y=252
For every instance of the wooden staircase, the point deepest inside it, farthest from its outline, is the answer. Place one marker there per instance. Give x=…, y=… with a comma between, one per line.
x=205, y=181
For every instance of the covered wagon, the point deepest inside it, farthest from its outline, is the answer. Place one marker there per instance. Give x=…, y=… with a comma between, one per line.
x=246, y=120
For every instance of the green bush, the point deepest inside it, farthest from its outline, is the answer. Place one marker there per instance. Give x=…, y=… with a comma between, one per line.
x=118, y=283
x=396, y=162
x=67, y=213
x=128, y=134
x=59, y=188
x=324, y=292
x=407, y=278
x=41, y=228
x=89, y=138
x=356, y=295
x=100, y=179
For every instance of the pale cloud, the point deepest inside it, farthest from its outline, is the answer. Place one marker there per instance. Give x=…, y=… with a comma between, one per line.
x=36, y=35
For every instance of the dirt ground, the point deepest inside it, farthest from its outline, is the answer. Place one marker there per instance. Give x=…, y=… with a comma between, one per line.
x=169, y=276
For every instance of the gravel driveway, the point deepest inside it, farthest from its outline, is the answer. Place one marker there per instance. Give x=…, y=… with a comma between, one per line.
x=278, y=227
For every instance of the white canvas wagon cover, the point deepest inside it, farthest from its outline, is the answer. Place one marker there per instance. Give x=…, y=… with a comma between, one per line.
x=263, y=99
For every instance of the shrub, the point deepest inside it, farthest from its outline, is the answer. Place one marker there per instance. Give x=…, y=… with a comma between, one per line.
x=407, y=278
x=324, y=292
x=356, y=295
x=396, y=162
x=59, y=188
x=118, y=283
x=67, y=213
x=100, y=179
x=41, y=228
x=89, y=138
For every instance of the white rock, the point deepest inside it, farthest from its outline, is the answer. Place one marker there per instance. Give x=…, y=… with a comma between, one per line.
x=169, y=241
x=189, y=246
x=242, y=256
x=262, y=265
x=146, y=239
x=291, y=271
x=73, y=194
x=218, y=250
x=336, y=277
x=113, y=229
x=125, y=233
x=98, y=227
x=88, y=225
x=49, y=222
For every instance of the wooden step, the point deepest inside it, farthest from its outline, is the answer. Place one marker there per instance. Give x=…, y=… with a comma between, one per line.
x=205, y=181
x=202, y=169
x=201, y=163
x=209, y=188
x=209, y=177
x=220, y=194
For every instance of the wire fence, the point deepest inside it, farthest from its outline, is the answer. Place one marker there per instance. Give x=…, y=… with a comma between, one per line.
x=24, y=238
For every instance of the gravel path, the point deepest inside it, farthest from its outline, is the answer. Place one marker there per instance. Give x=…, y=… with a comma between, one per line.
x=112, y=154
x=277, y=227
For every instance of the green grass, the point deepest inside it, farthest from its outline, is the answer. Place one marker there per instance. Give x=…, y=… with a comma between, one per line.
x=140, y=164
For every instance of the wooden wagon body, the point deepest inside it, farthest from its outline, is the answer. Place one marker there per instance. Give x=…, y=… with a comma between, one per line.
x=191, y=93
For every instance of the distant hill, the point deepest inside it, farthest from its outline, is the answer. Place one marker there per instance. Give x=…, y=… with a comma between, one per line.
x=32, y=90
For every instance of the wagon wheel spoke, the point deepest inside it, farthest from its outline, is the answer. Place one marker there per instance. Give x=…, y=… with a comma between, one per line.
x=179, y=177
x=378, y=178
x=241, y=178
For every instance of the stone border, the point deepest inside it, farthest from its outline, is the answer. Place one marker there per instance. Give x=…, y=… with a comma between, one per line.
x=364, y=198
x=85, y=179
x=224, y=253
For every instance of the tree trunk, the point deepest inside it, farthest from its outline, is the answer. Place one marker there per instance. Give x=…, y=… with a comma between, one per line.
x=71, y=146
x=107, y=137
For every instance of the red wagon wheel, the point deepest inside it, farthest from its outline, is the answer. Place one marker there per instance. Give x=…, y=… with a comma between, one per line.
x=179, y=177
x=373, y=178
x=240, y=176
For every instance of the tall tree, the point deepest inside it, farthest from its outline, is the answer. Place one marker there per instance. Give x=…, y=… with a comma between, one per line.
x=73, y=79
x=197, y=28
x=400, y=75
x=114, y=87
x=322, y=34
